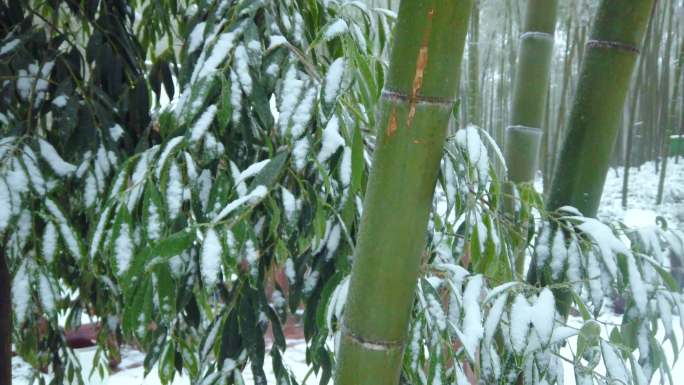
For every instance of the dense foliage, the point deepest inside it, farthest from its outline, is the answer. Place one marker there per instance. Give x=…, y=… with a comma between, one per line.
x=169, y=223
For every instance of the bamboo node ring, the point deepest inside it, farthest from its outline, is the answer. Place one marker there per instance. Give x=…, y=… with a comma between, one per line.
x=375, y=345
x=537, y=35
x=420, y=99
x=605, y=44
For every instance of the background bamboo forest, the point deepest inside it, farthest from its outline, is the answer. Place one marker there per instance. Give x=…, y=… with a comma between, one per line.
x=382, y=192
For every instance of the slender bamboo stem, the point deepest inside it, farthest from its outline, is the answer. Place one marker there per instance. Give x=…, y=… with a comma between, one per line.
x=609, y=59
x=670, y=120
x=474, y=99
x=523, y=136
x=414, y=111
x=5, y=321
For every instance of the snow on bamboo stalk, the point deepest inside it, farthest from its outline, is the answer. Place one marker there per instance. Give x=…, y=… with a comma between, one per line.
x=523, y=136
x=610, y=56
x=414, y=110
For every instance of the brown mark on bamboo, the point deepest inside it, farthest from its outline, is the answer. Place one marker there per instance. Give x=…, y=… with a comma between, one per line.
x=421, y=63
x=392, y=126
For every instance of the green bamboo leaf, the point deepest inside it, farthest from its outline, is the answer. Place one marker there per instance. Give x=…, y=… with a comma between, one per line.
x=271, y=173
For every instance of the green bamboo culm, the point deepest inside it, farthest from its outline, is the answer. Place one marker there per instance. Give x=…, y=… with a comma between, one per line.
x=609, y=59
x=414, y=110
x=523, y=136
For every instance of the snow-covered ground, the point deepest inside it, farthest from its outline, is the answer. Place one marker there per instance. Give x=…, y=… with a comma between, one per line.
x=641, y=211
x=641, y=199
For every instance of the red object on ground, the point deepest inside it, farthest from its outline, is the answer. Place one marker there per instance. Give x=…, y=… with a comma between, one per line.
x=83, y=337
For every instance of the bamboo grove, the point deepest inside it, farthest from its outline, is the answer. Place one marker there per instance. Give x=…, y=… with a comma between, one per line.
x=194, y=185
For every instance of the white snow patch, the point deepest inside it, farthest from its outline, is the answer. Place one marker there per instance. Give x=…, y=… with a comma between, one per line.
x=211, y=257
x=202, y=125
x=49, y=245
x=174, y=191
x=60, y=101
x=60, y=167
x=332, y=140
x=196, y=37
x=252, y=198
x=335, y=29
x=333, y=80
x=123, y=249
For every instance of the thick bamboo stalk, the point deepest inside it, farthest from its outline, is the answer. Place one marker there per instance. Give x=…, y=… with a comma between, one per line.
x=5, y=321
x=413, y=114
x=609, y=59
x=523, y=136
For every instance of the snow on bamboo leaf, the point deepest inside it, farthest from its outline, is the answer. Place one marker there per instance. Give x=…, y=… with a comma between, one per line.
x=99, y=232
x=604, y=239
x=153, y=222
x=291, y=91
x=335, y=29
x=224, y=44
x=289, y=204
x=90, y=190
x=123, y=249
x=49, y=245
x=333, y=241
x=102, y=161
x=333, y=80
x=21, y=292
x=468, y=139
x=520, y=315
x=346, y=167
x=290, y=271
x=211, y=257
x=242, y=68
x=636, y=284
x=174, y=191
x=614, y=363
x=47, y=296
x=543, y=312
x=58, y=165
x=251, y=256
x=138, y=177
x=35, y=176
x=116, y=132
x=235, y=97
x=5, y=205
x=332, y=140
x=196, y=37
x=252, y=197
x=472, y=328
x=251, y=171
x=202, y=125
x=299, y=152
x=171, y=145
x=303, y=112
x=494, y=317
x=65, y=230
x=559, y=254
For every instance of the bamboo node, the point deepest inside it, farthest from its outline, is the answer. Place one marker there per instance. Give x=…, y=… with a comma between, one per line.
x=525, y=129
x=606, y=44
x=420, y=99
x=375, y=345
x=536, y=35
